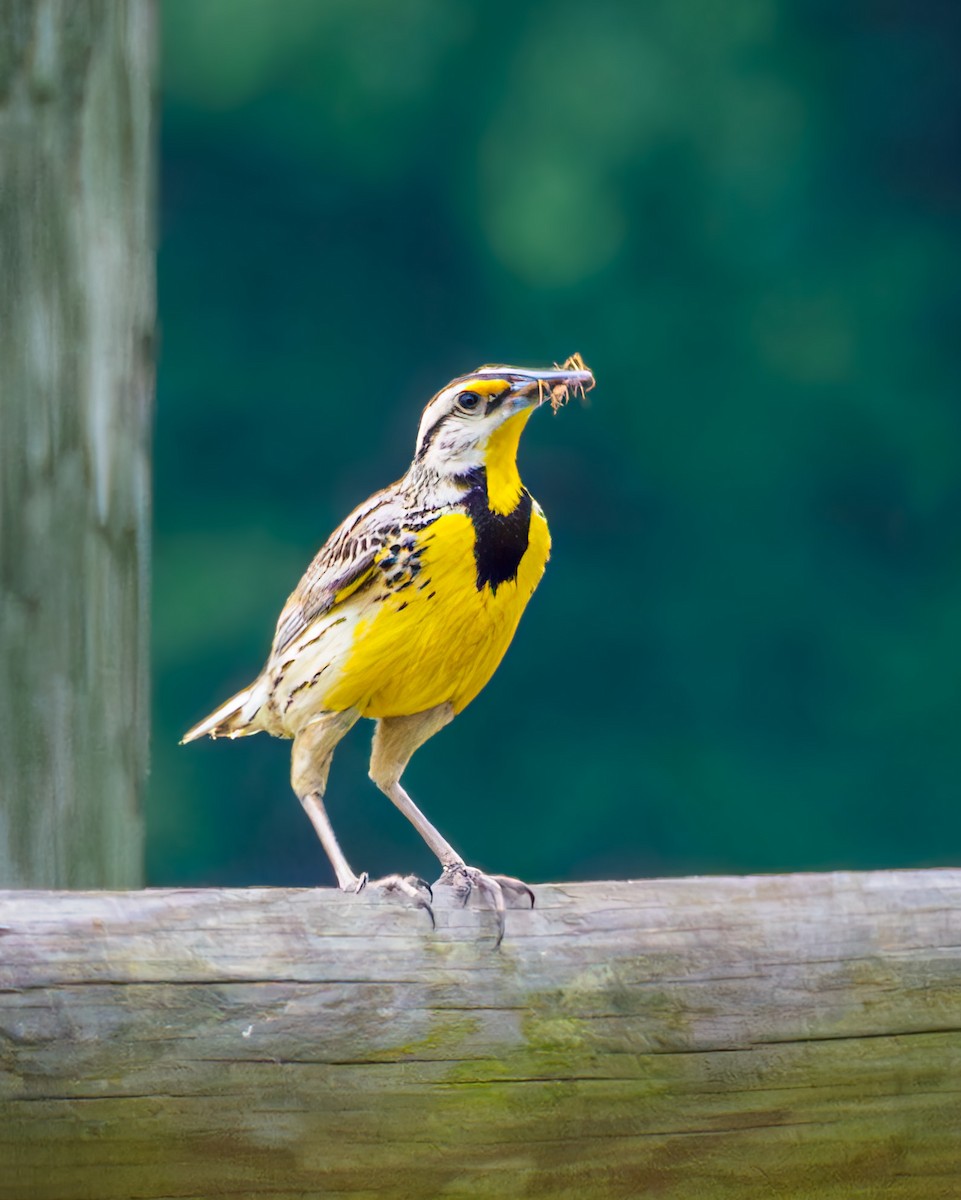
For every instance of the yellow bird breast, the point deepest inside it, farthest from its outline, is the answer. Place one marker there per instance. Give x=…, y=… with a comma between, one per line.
x=438, y=635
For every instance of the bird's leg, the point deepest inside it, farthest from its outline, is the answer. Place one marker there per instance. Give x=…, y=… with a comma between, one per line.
x=395, y=740
x=312, y=753
x=310, y=761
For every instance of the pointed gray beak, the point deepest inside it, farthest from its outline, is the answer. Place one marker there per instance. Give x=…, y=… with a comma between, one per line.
x=536, y=385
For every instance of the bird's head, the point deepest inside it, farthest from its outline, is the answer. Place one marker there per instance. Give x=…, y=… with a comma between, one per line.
x=477, y=419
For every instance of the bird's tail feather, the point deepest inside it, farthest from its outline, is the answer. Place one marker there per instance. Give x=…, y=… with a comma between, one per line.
x=234, y=718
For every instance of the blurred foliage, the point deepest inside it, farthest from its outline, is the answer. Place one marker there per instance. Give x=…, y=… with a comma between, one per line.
x=745, y=654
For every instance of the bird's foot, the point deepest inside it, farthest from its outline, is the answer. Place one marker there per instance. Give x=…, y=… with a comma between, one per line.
x=409, y=888
x=494, y=890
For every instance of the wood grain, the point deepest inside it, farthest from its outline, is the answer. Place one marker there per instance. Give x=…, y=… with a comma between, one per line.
x=77, y=136
x=719, y=1037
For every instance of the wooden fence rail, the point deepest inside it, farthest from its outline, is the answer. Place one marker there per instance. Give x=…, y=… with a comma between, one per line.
x=781, y=1036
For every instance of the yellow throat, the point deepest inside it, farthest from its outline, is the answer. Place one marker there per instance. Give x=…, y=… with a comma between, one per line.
x=500, y=459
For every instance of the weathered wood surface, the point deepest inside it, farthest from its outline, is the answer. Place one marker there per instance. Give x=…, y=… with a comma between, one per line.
x=775, y=1036
x=76, y=397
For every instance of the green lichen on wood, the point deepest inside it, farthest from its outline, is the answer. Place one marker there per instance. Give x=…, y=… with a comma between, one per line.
x=718, y=1038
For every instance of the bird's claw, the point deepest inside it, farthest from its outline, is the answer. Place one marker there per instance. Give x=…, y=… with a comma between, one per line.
x=492, y=888
x=409, y=887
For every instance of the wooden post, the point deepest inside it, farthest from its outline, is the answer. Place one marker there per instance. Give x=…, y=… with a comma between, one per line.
x=76, y=397
x=795, y=1036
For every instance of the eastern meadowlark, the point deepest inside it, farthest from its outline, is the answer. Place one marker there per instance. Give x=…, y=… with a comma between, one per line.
x=408, y=608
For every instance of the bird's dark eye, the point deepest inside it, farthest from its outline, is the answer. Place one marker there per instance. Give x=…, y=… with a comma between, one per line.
x=468, y=400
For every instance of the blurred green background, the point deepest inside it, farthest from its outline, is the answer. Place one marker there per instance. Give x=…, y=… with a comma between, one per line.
x=746, y=653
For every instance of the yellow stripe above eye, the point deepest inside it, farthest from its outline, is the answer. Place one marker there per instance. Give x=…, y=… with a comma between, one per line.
x=485, y=387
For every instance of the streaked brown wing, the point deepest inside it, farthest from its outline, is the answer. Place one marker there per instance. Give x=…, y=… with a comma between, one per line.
x=343, y=565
